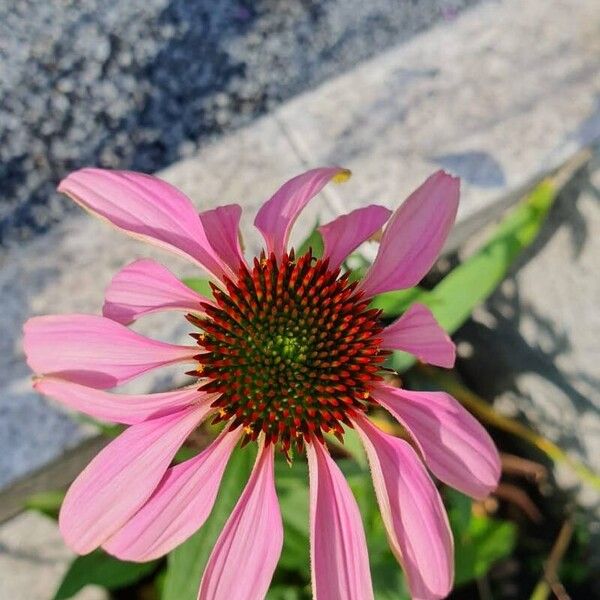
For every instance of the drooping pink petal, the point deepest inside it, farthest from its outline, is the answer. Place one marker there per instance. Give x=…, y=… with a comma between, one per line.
x=94, y=351
x=222, y=226
x=119, y=408
x=178, y=507
x=348, y=232
x=277, y=215
x=412, y=512
x=417, y=332
x=146, y=287
x=414, y=236
x=456, y=448
x=339, y=559
x=146, y=208
x=122, y=477
x=244, y=558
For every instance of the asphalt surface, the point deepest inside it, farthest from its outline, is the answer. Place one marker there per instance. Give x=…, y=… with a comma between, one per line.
x=140, y=84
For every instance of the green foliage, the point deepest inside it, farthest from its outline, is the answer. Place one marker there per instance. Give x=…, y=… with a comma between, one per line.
x=485, y=542
x=47, y=503
x=314, y=241
x=109, y=430
x=292, y=490
x=575, y=567
x=186, y=563
x=353, y=445
x=479, y=541
x=101, y=569
x=284, y=592
x=200, y=285
x=395, y=303
x=184, y=453
x=388, y=579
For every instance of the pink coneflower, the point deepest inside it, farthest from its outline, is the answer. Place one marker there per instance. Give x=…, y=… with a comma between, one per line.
x=287, y=350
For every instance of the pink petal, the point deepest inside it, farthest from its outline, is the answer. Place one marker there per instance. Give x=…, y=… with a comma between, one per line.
x=120, y=408
x=147, y=208
x=348, y=232
x=177, y=508
x=94, y=351
x=146, y=287
x=414, y=236
x=244, y=558
x=340, y=564
x=456, y=448
x=222, y=226
x=417, y=332
x=122, y=477
x=412, y=512
x=277, y=215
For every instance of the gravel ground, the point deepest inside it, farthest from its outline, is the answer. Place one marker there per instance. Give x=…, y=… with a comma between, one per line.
x=140, y=84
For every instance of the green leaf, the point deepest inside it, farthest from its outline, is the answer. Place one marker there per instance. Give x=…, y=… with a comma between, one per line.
x=109, y=430
x=455, y=297
x=101, y=569
x=314, y=241
x=459, y=508
x=47, y=503
x=388, y=580
x=468, y=285
x=395, y=303
x=284, y=592
x=354, y=446
x=159, y=582
x=486, y=542
x=351, y=445
x=200, y=285
x=359, y=479
x=186, y=563
x=292, y=490
x=184, y=453
x=479, y=541
x=386, y=573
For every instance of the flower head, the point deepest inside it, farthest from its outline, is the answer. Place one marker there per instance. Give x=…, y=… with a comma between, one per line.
x=287, y=349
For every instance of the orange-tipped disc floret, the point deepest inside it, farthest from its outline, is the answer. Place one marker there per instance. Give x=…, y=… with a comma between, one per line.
x=292, y=348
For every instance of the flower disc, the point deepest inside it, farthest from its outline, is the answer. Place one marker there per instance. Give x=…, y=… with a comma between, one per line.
x=291, y=347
